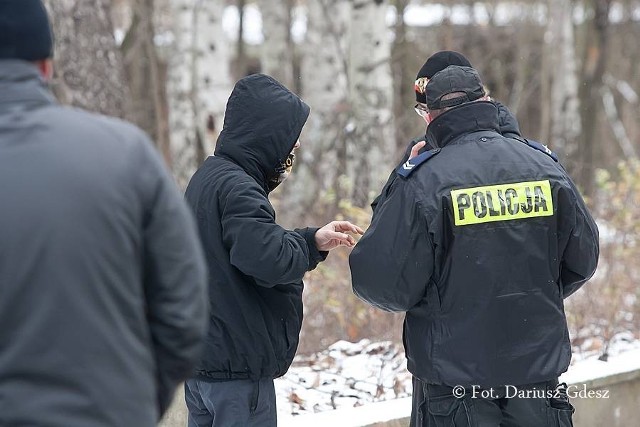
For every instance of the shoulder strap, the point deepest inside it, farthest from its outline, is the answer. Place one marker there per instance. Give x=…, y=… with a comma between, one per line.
x=537, y=146
x=410, y=165
x=541, y=147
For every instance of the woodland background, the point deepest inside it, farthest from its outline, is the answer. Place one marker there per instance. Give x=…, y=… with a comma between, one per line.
x=568, y=69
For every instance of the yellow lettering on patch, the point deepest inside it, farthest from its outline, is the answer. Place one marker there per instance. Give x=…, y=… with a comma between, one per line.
x=502, y=202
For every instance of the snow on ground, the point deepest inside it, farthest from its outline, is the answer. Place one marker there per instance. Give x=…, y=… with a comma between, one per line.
x=340, y=384
x=623, y=355
x=345, y=375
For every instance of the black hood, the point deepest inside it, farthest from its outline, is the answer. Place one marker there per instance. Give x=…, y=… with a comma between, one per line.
x=262, y=123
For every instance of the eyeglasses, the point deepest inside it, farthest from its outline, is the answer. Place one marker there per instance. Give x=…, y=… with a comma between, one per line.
x=421, y=110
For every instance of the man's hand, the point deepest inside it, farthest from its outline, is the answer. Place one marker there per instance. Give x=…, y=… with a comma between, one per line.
x=415, y=150
x=335, y=234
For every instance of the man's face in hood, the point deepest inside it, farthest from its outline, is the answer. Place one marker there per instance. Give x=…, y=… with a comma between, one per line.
x=285, y=169
x=262, y=124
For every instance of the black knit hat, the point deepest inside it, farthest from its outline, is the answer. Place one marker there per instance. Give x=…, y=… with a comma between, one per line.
x=25, y=32
x=451, y=80
x=436, y=62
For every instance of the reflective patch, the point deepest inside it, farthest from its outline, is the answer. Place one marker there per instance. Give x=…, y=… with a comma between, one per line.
x=502, y=202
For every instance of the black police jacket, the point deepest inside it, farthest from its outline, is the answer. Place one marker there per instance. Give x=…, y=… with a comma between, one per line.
x=255, y=266
x=478, y=241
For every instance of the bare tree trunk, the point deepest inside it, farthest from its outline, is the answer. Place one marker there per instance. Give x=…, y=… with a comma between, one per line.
x=88, y=65
x=199, y=82
x=371, y=99
x=277, y=49
x=318, y=181
x=144, y=73
x=403, y=81
x=564, y=112
x=594, y=64
x=240, y=68
x=521, y=79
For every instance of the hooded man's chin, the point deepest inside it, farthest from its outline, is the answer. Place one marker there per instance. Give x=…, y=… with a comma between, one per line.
x=275, y=182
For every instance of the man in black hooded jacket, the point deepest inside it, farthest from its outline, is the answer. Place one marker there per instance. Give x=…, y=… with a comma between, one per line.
x=256, y=266
x=479, y=241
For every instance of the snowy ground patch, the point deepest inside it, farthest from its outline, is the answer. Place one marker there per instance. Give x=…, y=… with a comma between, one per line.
x=345, y=375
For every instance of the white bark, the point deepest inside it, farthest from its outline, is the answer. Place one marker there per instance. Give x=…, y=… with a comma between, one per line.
x=565, y=105
x=199, y=82
x=322, y=155
x=276, y=54
x=370, y=96
x=324, y=64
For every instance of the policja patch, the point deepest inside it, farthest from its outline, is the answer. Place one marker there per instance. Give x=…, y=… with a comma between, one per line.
x=503, y=202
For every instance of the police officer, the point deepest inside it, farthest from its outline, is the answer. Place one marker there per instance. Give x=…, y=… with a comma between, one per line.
x=479, y=241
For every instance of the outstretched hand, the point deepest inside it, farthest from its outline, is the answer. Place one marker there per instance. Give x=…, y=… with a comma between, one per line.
x=335, y=234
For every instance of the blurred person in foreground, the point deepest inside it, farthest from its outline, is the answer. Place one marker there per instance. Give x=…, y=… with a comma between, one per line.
x=508, y=124
x=102, y=279
x=479, y=241
x=256, y=265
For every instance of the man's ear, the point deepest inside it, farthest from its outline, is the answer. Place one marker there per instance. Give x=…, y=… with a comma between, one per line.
x=45, y=66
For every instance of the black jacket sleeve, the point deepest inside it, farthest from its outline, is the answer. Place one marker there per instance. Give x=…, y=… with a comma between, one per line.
x=259, y=247
x=394, y=175
x=315, y=256
x=174, y=276
x=393, y=262
x=384, y=191
x=580, y=257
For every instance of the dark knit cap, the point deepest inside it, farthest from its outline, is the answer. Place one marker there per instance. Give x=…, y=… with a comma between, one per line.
x=25, y=32
x=453, y=79
x=436, y=62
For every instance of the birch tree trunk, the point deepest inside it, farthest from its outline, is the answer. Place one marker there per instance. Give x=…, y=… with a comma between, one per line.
x=276, y=55
x=403, y=80
x=145, y=76
x=371, y=99
x=317, y=184
x=199, y=82
x=564, y=105
x=88, y=67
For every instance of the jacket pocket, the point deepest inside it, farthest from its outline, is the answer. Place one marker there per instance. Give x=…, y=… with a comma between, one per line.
x=560, y=410
x=446, y=411
x=561, y=417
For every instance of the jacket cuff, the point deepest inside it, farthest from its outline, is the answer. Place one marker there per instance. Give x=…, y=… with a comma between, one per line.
x=315, y=256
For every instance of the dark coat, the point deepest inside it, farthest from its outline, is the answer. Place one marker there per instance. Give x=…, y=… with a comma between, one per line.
x=102, y=279
x=479, y=244
x=256, y=266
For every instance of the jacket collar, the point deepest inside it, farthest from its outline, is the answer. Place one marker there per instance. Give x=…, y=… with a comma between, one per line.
x=22, y=86
x=459, y=121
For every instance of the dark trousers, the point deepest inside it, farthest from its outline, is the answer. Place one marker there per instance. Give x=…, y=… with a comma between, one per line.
x=237, y=403
x=545, y=404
